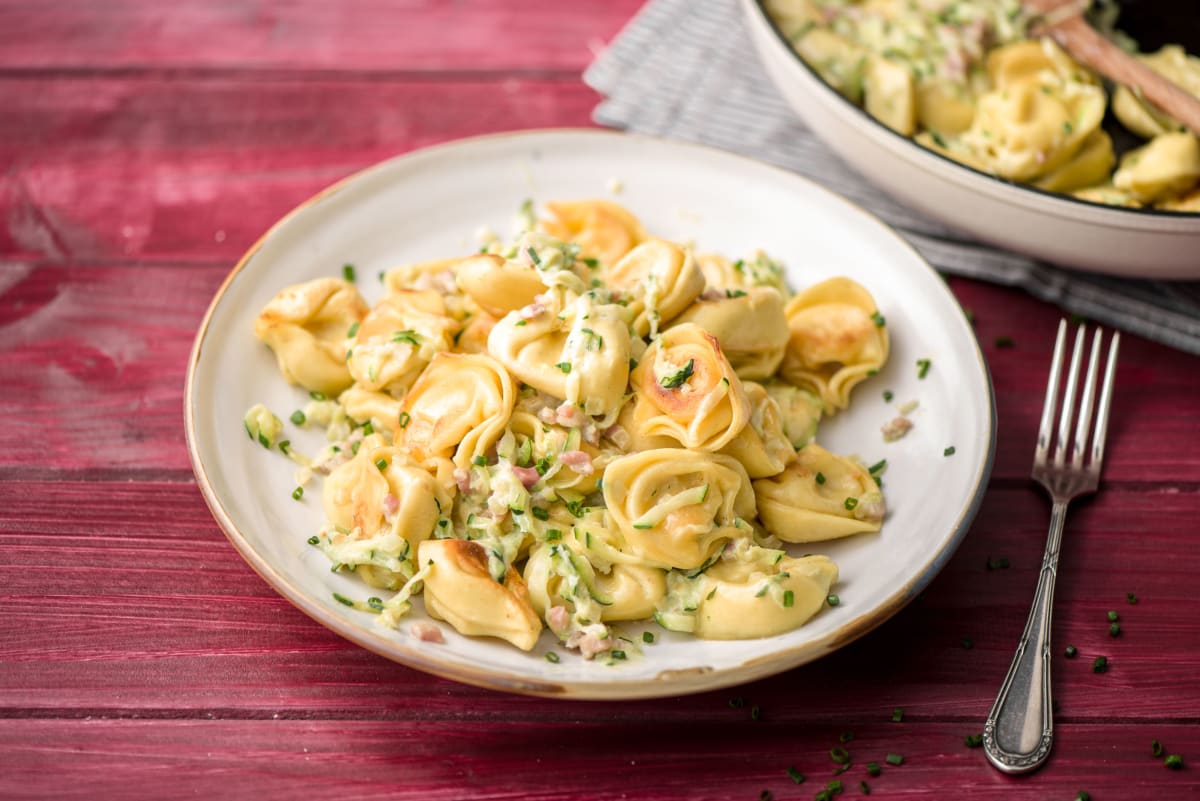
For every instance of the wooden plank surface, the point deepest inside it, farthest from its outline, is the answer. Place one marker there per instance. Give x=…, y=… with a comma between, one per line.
x=143, y=148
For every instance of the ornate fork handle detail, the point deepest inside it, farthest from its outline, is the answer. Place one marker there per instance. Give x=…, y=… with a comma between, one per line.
x=1019, y=730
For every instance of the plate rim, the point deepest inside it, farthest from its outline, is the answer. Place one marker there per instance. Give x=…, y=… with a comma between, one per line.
x=664, y=683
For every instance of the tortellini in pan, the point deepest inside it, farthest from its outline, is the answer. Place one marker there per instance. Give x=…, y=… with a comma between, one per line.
x=578, y=430
x=979, y=83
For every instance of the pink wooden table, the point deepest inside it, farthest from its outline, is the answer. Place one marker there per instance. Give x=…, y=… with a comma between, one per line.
x=143, y=147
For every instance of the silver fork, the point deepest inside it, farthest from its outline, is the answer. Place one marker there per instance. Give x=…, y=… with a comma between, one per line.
x=1019, y=730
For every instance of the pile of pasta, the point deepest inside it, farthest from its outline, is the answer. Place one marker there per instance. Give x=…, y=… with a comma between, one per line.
x=964, y=78
x=582, y=426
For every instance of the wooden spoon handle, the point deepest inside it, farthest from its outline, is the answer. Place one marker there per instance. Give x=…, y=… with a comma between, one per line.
x=1083, y=42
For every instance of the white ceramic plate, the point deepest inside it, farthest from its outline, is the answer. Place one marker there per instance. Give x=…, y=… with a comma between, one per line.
x=1140, y=243
x=428, y=204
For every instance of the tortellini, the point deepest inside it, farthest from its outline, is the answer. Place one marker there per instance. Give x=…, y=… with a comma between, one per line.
x=676, y=507
x=819, y=496
x=974, y=82
x=579, y=429
x=1167, y=166
x=306, y=326
x=685, y=390
x=457, y=409
x=749, y=324
x=460, y=590
x=838, y=338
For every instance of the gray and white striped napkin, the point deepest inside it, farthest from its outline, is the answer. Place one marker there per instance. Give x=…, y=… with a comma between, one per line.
x=687, y=70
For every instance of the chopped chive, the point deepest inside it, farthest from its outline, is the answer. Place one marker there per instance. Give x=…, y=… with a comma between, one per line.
x=865, y=788
x=923, y=366
x=1100, y=664
x=1113, y=617
x=348, y=273
x=820, y=478
x=973, y=740
x=839, y=755
x=887, y=396
x=353, y=330
x=405, y=419
x=873, y=769
x=1130, y=598
x=298, y=417
x=1114, y=630
x=540, y=513
x=1004, y=342
x=755, y=712
x=845, y=737
x=618, y=654
x=478, y=461
x=552, y=656
x=877, y=467
x=895, y=759
x=648, y=637
x=789, y=598
x=534, y=257
x=342, y=599
x=850, y=503
x=949, y=451
x=832, y=600
x=679, y=377
x=591, y=263
x=1174, y=761
x=835, y=787
x=564, y=366
x=1156, y=748
x=1083, y=795
x=317, y=396
x=938, y=139
x=381, y=463
x=297, y=494
x=796, y=776
x=313, y=540
x=897, y=715
x=737, y=702
x=878, y=319
x=1071, y=652
x=407, y=336
x=262, y=440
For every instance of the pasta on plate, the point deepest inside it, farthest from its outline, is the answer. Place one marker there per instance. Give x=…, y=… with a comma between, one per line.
x=583, y=426
x=973, y=80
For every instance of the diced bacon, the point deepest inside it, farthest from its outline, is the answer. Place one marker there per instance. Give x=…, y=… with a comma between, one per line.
x=425, y=631
x=591, y=644
x=871, y=510
x=558, y=618
x=896, y=428
x=463, y=479
x=528, y=475
x=956, y=63
x=569, y=415
x=618, y=436
x=547, y=415
x=391, y=505
x=579, y=461
x=532, y=311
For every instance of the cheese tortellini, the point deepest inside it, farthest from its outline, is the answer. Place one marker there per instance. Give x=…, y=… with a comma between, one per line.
x=973, y=81
x=583, y=428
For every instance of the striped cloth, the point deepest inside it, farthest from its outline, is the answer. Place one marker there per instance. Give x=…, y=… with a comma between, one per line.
x=687, y=70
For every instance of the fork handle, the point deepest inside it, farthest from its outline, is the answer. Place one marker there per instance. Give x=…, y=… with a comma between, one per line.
x=1019, y=730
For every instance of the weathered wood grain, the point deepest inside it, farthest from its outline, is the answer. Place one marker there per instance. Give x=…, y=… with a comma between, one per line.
x=309, y=36
x=112, y=608
x=583, y=758
x=195, y=170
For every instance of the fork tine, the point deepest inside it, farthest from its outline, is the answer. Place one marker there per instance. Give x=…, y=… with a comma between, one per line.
x=1079, y=446
x=1110, y=373
x=1047, y=426
x=1068, y=407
